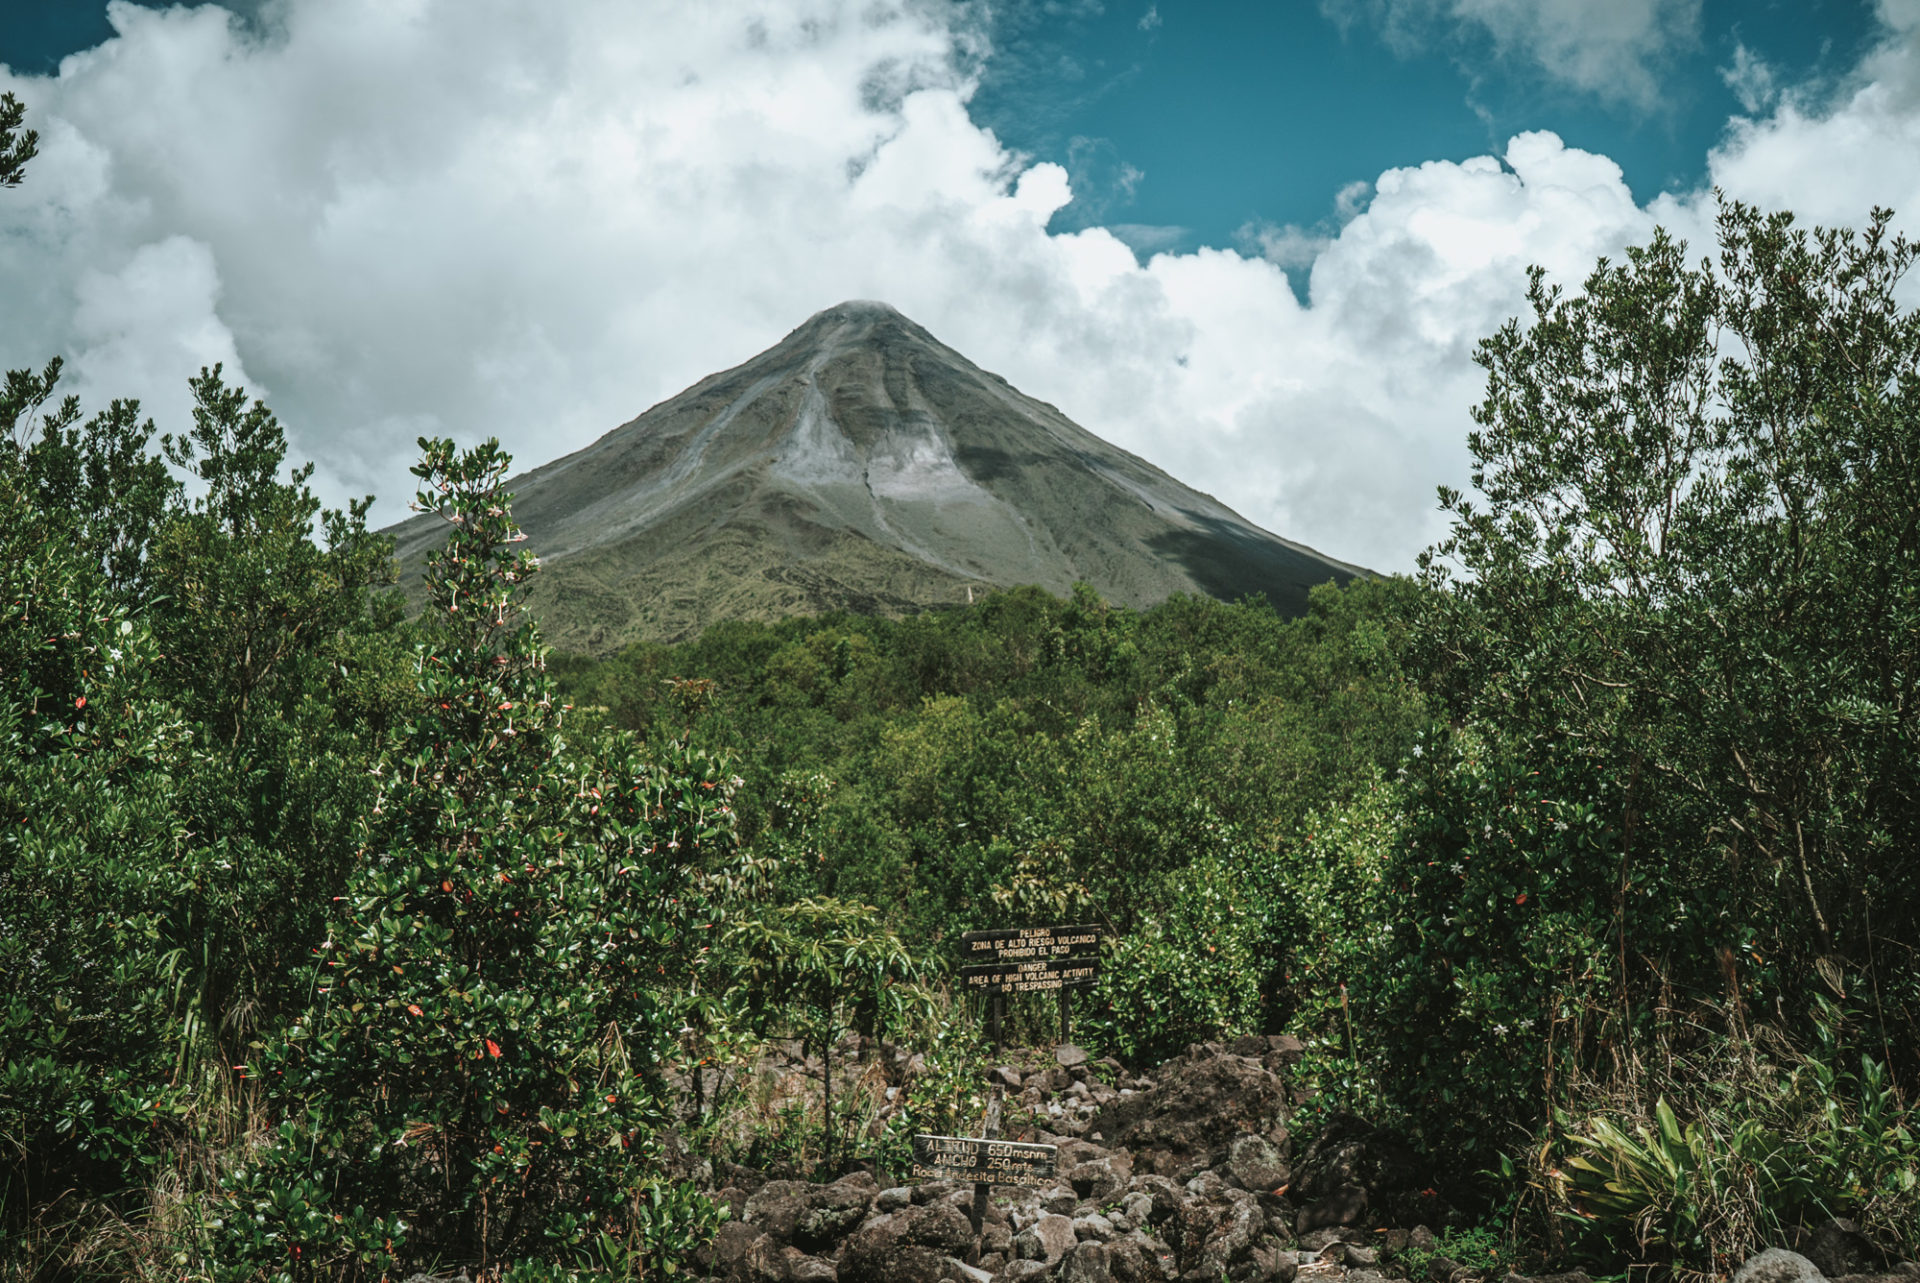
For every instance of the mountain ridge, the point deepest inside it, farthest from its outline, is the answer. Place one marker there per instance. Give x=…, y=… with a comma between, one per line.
x=861, y=464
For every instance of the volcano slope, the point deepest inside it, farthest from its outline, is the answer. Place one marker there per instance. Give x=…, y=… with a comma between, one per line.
x=861, y=464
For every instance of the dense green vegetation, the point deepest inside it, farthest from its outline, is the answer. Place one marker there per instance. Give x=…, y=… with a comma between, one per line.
x=1029, y=755
x=335, y=944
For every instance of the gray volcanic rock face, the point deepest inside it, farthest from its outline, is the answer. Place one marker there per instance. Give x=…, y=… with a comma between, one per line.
x=862, y=464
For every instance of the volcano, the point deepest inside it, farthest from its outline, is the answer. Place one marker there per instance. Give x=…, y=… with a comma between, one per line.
x=861, y=464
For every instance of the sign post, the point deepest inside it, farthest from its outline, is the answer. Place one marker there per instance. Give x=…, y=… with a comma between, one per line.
x=991, y=1132
x=997, y=963
x=985, y=1159
x=1030, y=960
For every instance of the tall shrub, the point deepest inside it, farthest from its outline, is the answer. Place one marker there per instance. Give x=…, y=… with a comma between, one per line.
x=1682, y=794
x=478, y=1080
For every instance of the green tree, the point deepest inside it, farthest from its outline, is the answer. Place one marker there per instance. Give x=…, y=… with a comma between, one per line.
x=192, y=699
x=825, y=967
x=96, y=884
x=1680, y=651
x=17, y=145
x=479, y=1079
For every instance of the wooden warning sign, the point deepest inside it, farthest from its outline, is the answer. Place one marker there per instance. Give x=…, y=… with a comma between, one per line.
x=979, y=1159
x=1031, y=977
x=1028, y=944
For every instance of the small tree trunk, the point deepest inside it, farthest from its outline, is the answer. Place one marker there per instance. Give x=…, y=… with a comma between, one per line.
x=826, y=1076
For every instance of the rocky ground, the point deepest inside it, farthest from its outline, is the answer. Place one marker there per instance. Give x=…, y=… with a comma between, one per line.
x=1188, y=1175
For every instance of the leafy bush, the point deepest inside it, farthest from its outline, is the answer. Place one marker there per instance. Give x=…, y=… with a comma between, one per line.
x=478, y=1080
x=1190, y=974
x=826, y=967
x=1764, y=1147
x=948, y=1097
x=1677, y=799
x=167, y=842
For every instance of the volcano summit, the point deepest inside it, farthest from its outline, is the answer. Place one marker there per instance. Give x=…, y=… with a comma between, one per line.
x=862, y=464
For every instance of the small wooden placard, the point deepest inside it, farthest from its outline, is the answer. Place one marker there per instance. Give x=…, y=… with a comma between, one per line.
x=1031, y=977
x=1029, y=944
x=974, y=1158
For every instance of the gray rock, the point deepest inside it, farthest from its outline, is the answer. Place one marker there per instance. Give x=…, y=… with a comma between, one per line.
x=1277, y=1265
x=811, y=1269
x=1206, y=1185
x=1021, y=1271
x=1102, y=1179
x=1286, y=1045
x=1255, y=1163
x=1087, y=1263
x=1777, y=1265
x=775, y=1206
x=1059, y=1200
x=1228, y=1246
x=1188, y=1121
x=1007, y=1077
x=765, y=1262
x=1144, y=1255
x=1837, y=1247
x=730, y=1244
x=1069, y=1055
x=1094, y=1226
x=1342, y=1206
x=1048, y=1239
x=1127, y=1263
x=1164, y=1199
x=1075, y=1152
x=916, y=1245
x=892, y=1200
x=1351, y=1153
x=831, y=1211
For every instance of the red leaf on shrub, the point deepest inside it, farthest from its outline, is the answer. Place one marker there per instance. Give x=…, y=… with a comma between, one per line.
x=81, y=702
x=1521, y=898
x=493, y=1049
x=413, y=1008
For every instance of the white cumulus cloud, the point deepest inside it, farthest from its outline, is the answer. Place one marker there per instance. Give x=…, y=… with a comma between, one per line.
x=1613, y=49
x=495, y=218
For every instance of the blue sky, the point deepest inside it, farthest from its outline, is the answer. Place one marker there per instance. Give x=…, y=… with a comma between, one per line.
x=1253, y=243
x=1235, y=111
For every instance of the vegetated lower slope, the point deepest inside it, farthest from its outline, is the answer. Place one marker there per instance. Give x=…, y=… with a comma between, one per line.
x=860, y=464
x=1081, y=752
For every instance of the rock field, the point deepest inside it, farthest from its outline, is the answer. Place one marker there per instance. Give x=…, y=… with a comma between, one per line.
x=1188, y=1175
